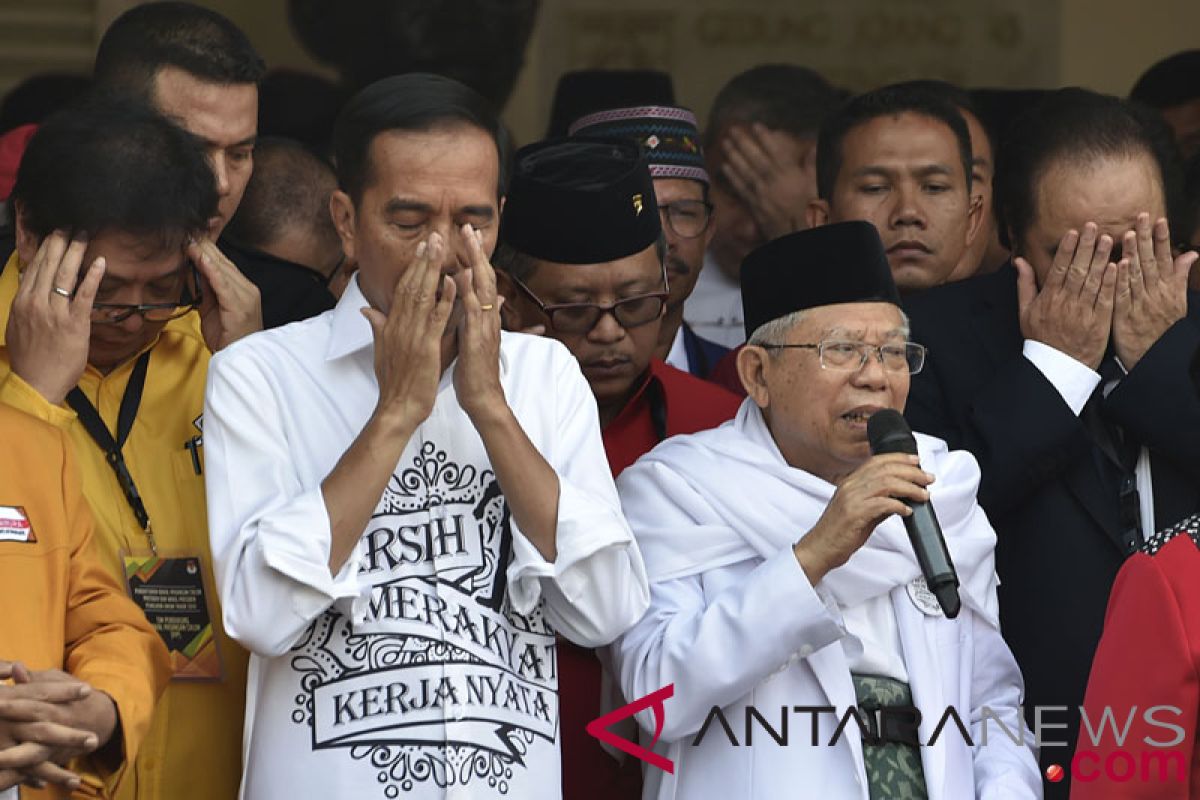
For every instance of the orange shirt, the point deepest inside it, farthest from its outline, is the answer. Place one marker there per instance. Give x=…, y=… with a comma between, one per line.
x=62, y=608
x=194, y=748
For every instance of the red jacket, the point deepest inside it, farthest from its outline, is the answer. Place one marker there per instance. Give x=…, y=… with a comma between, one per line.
x=1148, y=656
x=669, y=402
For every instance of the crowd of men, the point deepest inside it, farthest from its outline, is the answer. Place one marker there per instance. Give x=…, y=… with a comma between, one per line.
x=384, y=470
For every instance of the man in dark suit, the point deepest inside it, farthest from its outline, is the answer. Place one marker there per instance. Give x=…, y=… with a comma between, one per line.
x=1066, y=374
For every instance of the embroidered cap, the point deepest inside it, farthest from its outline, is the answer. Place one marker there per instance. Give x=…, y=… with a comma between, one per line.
x=669, y=136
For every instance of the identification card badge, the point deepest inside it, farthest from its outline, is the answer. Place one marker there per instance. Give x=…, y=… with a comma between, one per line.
x=924, y=599
x=173, y=594
x=15, y=526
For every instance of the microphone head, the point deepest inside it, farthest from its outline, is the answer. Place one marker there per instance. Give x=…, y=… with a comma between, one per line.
x=888, y=432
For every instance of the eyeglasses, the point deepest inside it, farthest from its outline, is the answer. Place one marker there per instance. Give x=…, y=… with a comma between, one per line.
x=849, y=356
x=112, y=313
x=687, y=218
x=629, y=312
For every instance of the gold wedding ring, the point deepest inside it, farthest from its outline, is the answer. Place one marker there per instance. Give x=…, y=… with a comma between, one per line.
x=487, y=307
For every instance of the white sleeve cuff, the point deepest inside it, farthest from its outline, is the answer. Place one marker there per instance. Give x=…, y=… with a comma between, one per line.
x=294, y=541
x=1073, y=380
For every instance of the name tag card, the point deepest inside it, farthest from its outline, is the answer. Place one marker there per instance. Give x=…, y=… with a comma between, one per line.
x=172, y=593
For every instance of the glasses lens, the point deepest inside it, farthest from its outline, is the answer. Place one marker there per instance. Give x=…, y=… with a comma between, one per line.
x=915, y=357
x=638, y=310
x=688, y=218
x=840, y=355
x=165, y=314
x=574, y=319
x=111, y=314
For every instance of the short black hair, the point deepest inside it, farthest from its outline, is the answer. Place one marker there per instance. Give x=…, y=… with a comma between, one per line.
x=1171, y=82
x=914, y=97
x=289, y=189
x=1191, y=178
x=1075, y=126
x=414, y=102
x=39, y=96
x=783, y=97
x=110, y=163
x=197, y=40
x=961, y=99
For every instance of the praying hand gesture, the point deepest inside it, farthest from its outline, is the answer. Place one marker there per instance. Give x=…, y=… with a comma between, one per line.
x=1151, y=289
x=1073, y=310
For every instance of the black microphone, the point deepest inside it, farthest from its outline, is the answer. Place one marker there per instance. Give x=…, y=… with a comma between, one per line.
x=889, y=433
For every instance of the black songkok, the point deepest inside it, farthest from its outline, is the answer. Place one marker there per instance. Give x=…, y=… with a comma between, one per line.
x=581, y=200
x=840, y=263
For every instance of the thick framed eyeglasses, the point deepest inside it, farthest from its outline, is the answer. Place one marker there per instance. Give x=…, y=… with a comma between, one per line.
x=190, y=297
x=686, y=218
x=629, y=312
x=847, y=356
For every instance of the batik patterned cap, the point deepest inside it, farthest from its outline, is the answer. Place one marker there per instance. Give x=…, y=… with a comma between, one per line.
x=668, y=135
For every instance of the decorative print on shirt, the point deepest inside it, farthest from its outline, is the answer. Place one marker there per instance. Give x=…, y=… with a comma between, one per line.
x=433, y=678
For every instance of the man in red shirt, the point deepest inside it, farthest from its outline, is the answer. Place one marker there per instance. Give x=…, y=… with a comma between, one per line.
x=582, y=253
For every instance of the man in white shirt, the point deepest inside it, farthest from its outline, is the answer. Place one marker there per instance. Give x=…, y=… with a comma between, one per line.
x=784, y=588
x=406, y=504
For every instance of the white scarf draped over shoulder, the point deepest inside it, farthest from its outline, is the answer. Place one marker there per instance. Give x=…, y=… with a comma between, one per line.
x=719, y=497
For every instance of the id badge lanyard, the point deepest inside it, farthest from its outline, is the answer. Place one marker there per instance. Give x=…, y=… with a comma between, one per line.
x=94, y=425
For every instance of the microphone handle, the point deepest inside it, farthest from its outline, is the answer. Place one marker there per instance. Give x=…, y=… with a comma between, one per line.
x=933, y=556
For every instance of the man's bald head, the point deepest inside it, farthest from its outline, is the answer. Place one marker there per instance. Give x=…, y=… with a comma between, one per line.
x=285, y=210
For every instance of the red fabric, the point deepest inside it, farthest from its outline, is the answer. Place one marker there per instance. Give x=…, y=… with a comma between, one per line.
x=1147, y=657
x=12, y=147
x=725, y=373
x=692, y=404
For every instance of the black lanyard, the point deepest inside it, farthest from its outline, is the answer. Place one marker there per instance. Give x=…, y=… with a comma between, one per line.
x=94, y=425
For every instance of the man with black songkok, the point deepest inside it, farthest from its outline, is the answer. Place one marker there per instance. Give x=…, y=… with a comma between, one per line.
x=581, y=252
x=671, y=141
x=781, y=574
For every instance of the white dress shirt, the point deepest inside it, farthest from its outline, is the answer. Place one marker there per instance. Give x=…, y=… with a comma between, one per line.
x=1075, y=382
x=714, y=308
x=677, y=357
x=426, y=667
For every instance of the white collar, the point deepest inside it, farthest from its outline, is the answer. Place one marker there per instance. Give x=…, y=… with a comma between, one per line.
x=349, y=330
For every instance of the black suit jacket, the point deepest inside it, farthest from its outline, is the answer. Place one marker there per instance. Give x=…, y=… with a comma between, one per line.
x=1044, y=484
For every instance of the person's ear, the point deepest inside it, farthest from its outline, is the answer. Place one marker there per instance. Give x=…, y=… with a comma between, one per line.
x=341, y=210
x=753, y=364
x=27, y=241
x=510, y=315
x=817, y=213
x=974, y=217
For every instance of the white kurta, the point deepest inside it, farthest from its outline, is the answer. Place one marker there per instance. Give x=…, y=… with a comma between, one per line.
x=426, y=668
x=735, y=624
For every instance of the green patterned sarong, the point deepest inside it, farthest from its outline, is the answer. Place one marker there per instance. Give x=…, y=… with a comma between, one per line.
x=894, y=769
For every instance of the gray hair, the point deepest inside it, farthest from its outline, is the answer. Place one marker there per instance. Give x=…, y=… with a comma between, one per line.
x=776, y=330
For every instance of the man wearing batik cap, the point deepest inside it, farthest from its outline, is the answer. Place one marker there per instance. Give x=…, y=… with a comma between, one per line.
x=671, y=141
x=581, y=253
x=781, y=574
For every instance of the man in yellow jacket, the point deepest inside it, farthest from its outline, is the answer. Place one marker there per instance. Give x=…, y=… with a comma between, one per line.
x=80, y=667
x=115, y=354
